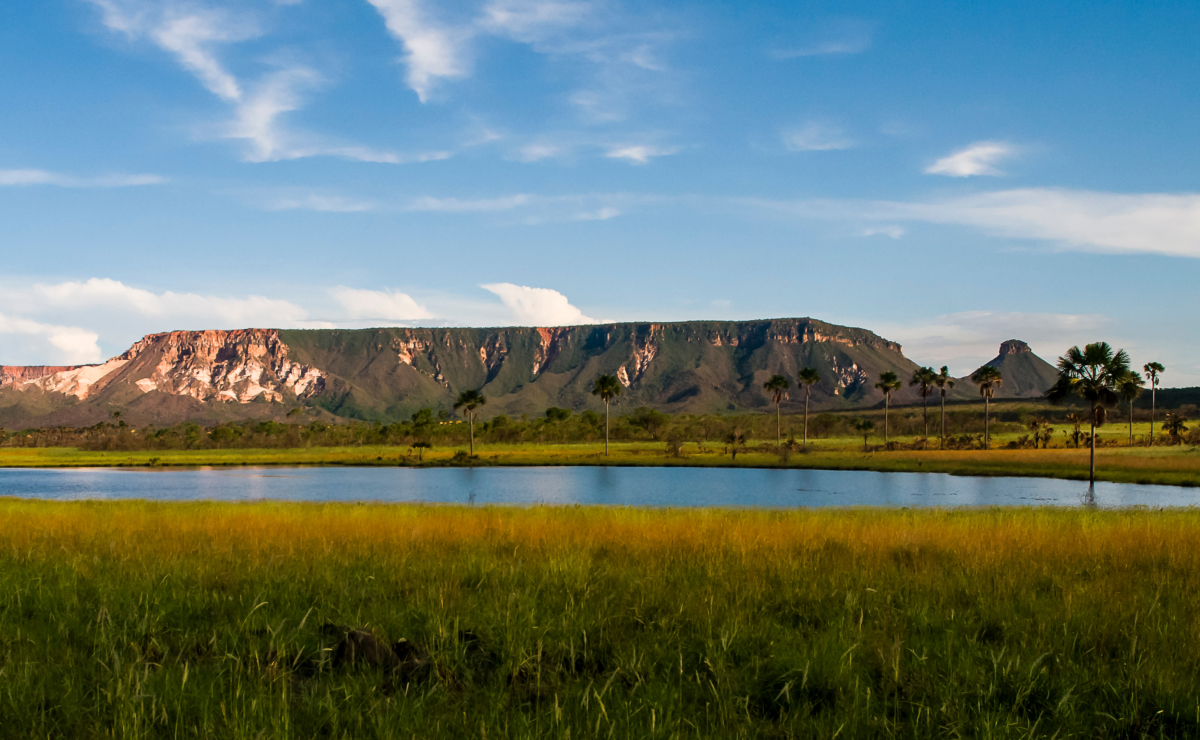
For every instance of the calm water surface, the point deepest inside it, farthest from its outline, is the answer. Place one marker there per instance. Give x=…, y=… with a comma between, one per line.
x=597, y=485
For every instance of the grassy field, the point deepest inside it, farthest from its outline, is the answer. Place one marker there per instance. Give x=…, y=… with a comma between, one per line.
x=1162, y=464
x=152, y=620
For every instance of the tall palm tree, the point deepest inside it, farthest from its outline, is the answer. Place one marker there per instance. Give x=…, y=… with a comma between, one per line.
x=1130, y=387
x=944, y=383
x=469, y=402
x=1153, y=370
x=608, y=388
x=1093, y=374
x=888, y=383
x=777, y=386
x=926, y=380
x=808, y=377
x=988, y=379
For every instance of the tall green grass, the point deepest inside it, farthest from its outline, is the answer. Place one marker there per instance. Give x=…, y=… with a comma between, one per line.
x=137, y=619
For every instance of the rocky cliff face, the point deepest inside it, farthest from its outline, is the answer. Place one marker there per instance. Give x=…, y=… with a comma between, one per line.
x=388, y=373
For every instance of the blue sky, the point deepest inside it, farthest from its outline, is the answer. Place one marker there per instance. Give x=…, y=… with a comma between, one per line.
x=949, y=175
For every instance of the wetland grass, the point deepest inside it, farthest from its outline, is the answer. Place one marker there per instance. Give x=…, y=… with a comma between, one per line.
x=139, y=619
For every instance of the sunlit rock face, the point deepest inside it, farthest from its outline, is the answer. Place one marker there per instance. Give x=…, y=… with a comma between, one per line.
x=388, y=373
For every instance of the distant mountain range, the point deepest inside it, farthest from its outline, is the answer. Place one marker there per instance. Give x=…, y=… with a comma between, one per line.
x=387, y=374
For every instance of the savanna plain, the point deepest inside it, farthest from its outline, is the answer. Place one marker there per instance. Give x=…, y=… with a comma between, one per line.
x=141, y=619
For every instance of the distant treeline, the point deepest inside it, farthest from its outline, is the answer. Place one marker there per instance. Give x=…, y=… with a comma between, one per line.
x=555, y=425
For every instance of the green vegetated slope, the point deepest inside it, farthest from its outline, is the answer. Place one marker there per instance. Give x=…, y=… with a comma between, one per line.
x=687, y=367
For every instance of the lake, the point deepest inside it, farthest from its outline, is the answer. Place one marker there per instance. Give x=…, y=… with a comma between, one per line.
x=607, y=486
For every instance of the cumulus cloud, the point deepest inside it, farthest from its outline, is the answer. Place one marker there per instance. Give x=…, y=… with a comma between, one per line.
x=978, y=159
x=376, y=305
x=537, y=306
x=42, y=177
x=203, y=311
x=639, y=153
x=66, y=345
x=816, y=137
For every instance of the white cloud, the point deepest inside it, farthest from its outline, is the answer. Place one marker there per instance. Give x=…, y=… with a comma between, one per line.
x=68, y=345
x=894, y=232
x=639, y=153
x=977, y=159
x=530, y=21
x=378, y=305
x=816, y=137
x=432, y=51
x=1154, y=223
x=968, y=339
x=42, y=177
x=193, y=34
x=203, y=311
x=455, y=205
x=538, y=306
x=602, y=214
x=534, y=152
x=847, y=36
x=323, y=203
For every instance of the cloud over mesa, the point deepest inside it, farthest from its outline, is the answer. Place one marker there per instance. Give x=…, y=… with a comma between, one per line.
x=538, y=306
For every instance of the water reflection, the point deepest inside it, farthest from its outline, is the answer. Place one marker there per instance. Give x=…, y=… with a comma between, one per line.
x=654, y=487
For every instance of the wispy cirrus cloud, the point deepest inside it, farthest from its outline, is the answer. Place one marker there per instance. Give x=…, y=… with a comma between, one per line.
x=815, y=136
x=44, y=177
x=977, y=159
x=639, y=153
x=457, y=205
x=1083, y=220
x=194, y=34
x=845, y=36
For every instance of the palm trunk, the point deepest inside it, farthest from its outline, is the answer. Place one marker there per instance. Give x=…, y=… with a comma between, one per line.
x=1092, y=474
x=943, y=420
x=887, y=402
x=778, y=428
x=807, y=393
x=925, y=413
x=471, y=422
x=987, y=419
x=1152, y=393
x=1131, y=422
x=606, y=427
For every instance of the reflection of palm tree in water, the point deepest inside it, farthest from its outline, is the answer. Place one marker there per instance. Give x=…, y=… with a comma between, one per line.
x=1089, y=498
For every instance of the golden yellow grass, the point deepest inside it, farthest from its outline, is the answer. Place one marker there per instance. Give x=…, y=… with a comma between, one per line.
x=143, y=619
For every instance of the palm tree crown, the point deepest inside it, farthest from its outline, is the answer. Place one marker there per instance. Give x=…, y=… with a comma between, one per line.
x=1093, y=374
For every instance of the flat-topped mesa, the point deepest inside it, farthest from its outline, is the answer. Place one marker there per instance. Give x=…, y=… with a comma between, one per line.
x=1014, y=347
x=10, y=374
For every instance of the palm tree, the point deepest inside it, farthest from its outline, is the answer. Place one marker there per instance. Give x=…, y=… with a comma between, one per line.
x=1075, y=420
x=808, y=377
x=469, y=401
x=864, y=427
x=988, y=379
x=778, y=387
x=888, y=382
x=1130, y=387
x=736, y=440
x=926, y=379
x=608, y=388
x=1093, y=374
x=1175, y=427
x=944, y=383
x=1153, y=370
